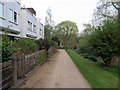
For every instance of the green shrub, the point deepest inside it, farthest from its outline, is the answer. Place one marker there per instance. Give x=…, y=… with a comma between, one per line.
x=26, y=46
x=6, y=48
x=93, y=58
x=55, y=39
x=46, y=44
x=89, y=57
x=42, y=57
x=85, y=55
x=78, y=51
x=43, y=44
x=104, y=42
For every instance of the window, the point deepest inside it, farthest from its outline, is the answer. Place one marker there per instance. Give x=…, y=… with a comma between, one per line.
x=1, y=10
x=34, y=28
x=30, y=26
x=40, y=32
x=15, y=17
x=11, y=15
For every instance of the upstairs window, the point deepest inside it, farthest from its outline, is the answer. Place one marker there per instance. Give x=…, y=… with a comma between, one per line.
x=1, y=10
x=12, y=16
x=15, y=17
x=30, y=26
x=40, y=31
x=34, y=28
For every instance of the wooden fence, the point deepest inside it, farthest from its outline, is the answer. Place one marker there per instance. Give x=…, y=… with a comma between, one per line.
x=16, y=69
x=6, y=73
x=51, y=51
x=116, y=60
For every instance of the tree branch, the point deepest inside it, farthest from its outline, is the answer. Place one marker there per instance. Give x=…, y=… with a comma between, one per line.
x=115, y=6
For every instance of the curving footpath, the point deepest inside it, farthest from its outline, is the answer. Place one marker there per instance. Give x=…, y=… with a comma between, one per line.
x=58, y=72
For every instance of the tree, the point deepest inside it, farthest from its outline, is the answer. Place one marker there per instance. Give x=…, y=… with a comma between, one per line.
x=104, y=42
x=65, y=31
x=103, y=37
x=48, y=30
x=105, y=11
x=49, y=24
x=55, y=39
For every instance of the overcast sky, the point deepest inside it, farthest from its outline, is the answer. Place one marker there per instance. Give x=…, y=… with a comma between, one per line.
x=79, y=11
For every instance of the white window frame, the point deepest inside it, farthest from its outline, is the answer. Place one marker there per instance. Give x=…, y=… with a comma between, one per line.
x=2, y=10
x=40, y=31
x=29, y=26
x=12, y=16
x=34, y=28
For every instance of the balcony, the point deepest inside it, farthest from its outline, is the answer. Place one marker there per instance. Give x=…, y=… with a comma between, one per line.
x=31, y=34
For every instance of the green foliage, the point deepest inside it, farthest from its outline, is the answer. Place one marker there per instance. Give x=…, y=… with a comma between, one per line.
x=6, y=48
x=55, y=39
x=102, y=41
x=84, y=44
x=45, y=43
x=97, y=76
x=92, y=58
x=65, y=31
x=42, y=57
x=26, y=46
x=48, y=29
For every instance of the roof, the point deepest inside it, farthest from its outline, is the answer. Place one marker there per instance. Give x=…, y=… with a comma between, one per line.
x=32, y=11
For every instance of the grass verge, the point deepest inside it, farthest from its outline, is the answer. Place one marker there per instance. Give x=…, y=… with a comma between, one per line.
x=95, y=75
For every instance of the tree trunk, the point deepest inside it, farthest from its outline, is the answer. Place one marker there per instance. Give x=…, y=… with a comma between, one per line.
x=65, y=46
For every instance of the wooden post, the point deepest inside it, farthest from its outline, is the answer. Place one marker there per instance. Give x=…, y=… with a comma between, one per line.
x=14, y=70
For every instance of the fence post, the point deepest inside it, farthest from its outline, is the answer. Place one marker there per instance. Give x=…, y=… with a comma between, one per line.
x=14, y=70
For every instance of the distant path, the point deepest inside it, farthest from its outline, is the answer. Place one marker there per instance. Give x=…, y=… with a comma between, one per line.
x=58, y=72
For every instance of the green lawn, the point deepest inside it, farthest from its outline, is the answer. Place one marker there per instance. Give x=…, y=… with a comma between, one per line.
x=96, y=76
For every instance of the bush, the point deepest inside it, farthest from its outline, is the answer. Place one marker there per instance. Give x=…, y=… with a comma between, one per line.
x=42, y=57
x=85, y=55
x=89, y=57
x=6, y=48
x=25, y=46
x=55, y=39
x=93, y=58
x=78, y=51
x=43, y=44
x=102, y=42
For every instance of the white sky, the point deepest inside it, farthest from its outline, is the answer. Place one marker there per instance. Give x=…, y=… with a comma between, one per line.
x=79, y=11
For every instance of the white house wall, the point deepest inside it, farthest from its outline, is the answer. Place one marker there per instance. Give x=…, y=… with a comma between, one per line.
x=26, y=16
x=21, y=26
x=42, y=27
x=5, y=20
x=23, y=23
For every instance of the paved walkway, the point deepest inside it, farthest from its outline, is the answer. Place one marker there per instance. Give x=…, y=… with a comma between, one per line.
x=58, y=72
